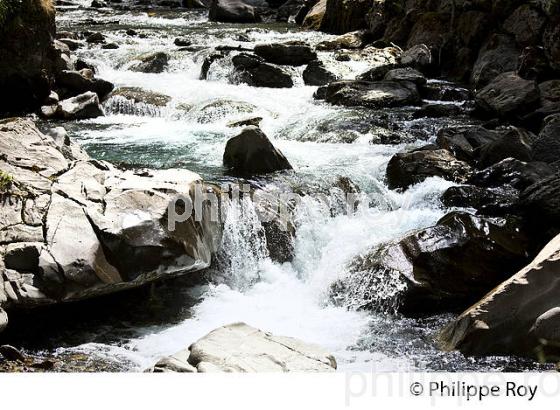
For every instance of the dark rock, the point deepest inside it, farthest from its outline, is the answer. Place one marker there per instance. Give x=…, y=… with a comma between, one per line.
x=11, y=354
x=377, y=73
x=410, y=168
x=512, y=172
x=512, y=143
x=182, y=42
x=526, y=24
x=375, y=95
x=79, y=82
x=252, y=153
x=95, y=38
x=444, y=92
x=406, y=74
x=152, y=63
x=533, y=64
x=81, y=64
x=540, y=203
x=418, y=56
x=256, y=72
x=551, y=42
x=438, y=110
x=447, y=266
x=546, y=147
x=232, y=11
x=80, y=107
x=498, y=55
x=472, y=28
x=291, y=9
x=429, y=29
x=508, y=95
x=293, y=53
x=316, y=74
x=549, y=98
x=207, y=63
x=110, y=46
x=487, y=201
x=463, y=142
x=23, y=257
x=343, y=16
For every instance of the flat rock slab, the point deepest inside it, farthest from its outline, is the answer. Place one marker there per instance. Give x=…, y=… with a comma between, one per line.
x=374, y=94
x=241, y=348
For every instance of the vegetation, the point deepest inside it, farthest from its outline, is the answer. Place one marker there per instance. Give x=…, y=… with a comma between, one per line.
x=6, y=180
x=8, y=8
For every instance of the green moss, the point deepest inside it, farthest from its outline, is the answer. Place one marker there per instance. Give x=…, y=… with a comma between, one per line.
x=6, y=180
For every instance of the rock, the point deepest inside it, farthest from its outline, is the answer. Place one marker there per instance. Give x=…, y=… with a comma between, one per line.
x=247, y=122
x=152, y=63
x=512, y=143
x=95, y=38
x=464, y=142
x=406, y=74
x=447, y=266
x=251, y=153
x=513, y=172
x=110, y=46
x=551, y=42
x=256, y=72
x=207, y=63
x=525, y=24
x=315, y=74
x=178, y=363
x=498, y=55
x=533, y=64
x=93, y=229
x=438, y=111
x=182, y=42
x=3, y=320
x=291, y=53
x=540, y=203
x=550, y=98
x=343, y=16
x=11, y=354
x=374, y=95
x=546, y=147
x=232, y=11
x=80, y=107
x=430, y=29
x=28, y=58
x=487, y=201
x=73, y=45
x=410, y=168
x=292, y=10
x=139, y=95
x=377, y=73
x=514, y=317
x=508, y=95
x=314, y=18
x=239, y=348
x=418, y=56
x=79, y=82
x=352, y=40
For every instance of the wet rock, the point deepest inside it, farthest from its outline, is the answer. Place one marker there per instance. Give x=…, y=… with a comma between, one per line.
x=438, y=111
x=178, y=363
x=239, y=348
x=352, y=40
x=314, y=18
x=429, y=29
x=551, y=42
x=508, y=96
x=513, y=172
x=110, y=46
x=512, y=143
x=95, y=38
x=447, y=266
x=515, y=317
x=410, y=168
x=525, y=24
x=207, y=63
x=316, y=74
x=23, y=257
x=11, y=354
x=152, y=63
x=80, y=107
x=533, y=64
x=487, y=201
x=343, y=16
x=252, y=153
x=540, y=203
x=418, y=56
x=441, y=91
x=246, y=122
x=546, y=147
x=377, y=73
x=372, y=94
x=406, y=74
x=292, y=9
x=139, y=95
x=79, y=82
x=498, y=55
x=463, y=142
x=256, y=72
x=292, y=53
x=182, y=42
x=73, y=45
x=232, y=11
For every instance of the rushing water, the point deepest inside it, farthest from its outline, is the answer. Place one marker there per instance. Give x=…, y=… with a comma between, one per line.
x=322, y=142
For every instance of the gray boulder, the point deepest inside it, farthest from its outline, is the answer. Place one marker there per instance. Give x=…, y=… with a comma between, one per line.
x=374, y=94
x=292, y=53
x=152, y=63
x=252, y=153
x=256, y=72
x=80, y=107
x=406, y=74
x=316, y=74
x=546, y=147
x=232, y=11
x=498, y=55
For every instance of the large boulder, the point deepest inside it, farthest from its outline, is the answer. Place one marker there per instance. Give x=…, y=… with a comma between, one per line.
x=372, y=94
x=28, y=58
x=517, y=317
x=79, y=82
x=343, y=16
x=546, y=147
x=512, y=172
x=508, y=96
x=551, y=42
x=447, y=266
x=430, y=29
x=464, y=141
x=80, y=107
x=540, y=204
x=240, y=348
x=409, y=168
x=252, y=153
x=317, y=74
x=498, y=55
x=232, y=11
x=512, y=143
x=256, y=72
x=154, y=63
x=525, y=24
x=292, y=53
x=314, y=17
x=72, y=227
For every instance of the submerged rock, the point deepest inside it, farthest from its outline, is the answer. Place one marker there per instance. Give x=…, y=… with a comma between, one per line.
x=317, y=75
x=293, y=53
x=152, y=63
x=447, y=266
x=409, y=168
x=374, y=95
x=73, y=228
x=240, y=348
x=252, y=153
x=517, y=317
